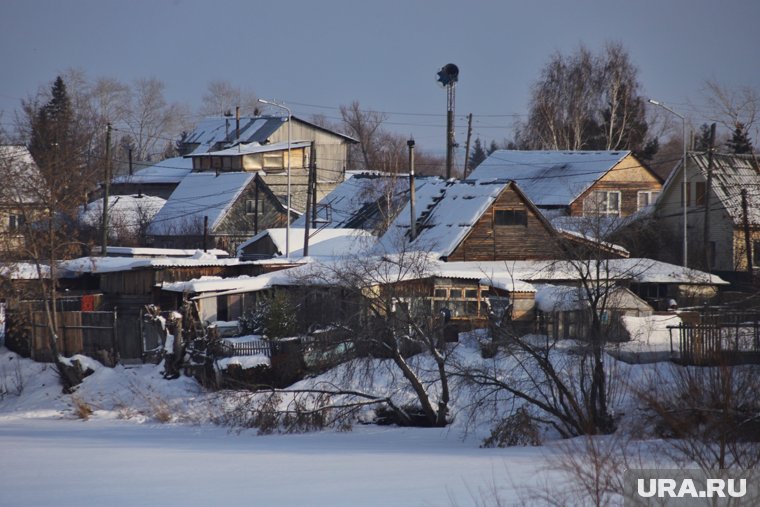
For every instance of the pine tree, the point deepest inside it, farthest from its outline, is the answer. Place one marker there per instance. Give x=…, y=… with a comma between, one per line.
x=702, y=140
x=478, y=154
x=52, y=127
x=740, y=142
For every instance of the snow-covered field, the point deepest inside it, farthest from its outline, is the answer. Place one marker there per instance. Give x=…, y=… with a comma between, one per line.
x=122, y=455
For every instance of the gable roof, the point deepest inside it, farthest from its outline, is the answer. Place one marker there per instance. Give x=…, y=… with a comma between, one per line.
x=361, y=201
x=445, y=213
x=199, y=195
x=549, y=178
x=171, y=170
x=322, y=243
x=213, y=132
x=126, y=213
x=730, y=175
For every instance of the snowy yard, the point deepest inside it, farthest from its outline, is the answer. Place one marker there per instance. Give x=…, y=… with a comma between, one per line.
x=121, y=456
x=104, y=462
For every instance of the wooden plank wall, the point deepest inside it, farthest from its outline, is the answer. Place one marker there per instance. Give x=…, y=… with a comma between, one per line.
x=487, y=242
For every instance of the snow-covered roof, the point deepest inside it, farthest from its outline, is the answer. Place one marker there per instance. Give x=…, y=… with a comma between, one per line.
x=199, y=195
x=171, y=170
x=18, y=166
x=129, y=251
x=125, y=212
x=366, y=200
x=513, y=276
x=251, y=148
x=445, y=212
x=635, y=270
x=23, y=271
x=730, y=175
x=549, y=178
x=324, y=242
x=77, y=267
x=550, y=298
x=210, y=132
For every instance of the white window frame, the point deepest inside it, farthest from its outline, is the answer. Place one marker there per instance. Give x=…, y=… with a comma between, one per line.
x=595, y=204
x=651, y=197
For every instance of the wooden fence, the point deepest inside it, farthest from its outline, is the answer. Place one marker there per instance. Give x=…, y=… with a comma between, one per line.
x=714, y=344
x=90, y=333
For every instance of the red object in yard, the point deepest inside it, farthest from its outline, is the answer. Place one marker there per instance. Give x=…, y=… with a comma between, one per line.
x=88, y=303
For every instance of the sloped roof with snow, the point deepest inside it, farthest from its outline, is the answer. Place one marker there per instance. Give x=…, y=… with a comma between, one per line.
x=83, y=265
x=445, y=212
x=730, y=175
x=365, y=200
x=322, y=243
x=18, y=166
x=124, y=211
x=171, y=170
x=210, y=132
x=549, y=178
x=252, y=148
x=197, y=196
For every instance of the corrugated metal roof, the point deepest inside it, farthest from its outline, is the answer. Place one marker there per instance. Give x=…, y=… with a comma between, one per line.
x=199, y=195
x=730, y=175
x=549, y=178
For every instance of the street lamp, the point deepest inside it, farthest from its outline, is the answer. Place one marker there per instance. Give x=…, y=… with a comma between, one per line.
x=684, y=196
x=287, y=210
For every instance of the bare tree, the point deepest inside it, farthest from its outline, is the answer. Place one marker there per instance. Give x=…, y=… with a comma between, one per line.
x=151, y=122
x=586, y=101
x=708, y=415
x=572, y=392
x=732, y=107
x=365, y=126
x=221, y=98
x=394, y=328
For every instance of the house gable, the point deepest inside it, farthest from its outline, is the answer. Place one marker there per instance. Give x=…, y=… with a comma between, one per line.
x=511, y=228
x=627, y=180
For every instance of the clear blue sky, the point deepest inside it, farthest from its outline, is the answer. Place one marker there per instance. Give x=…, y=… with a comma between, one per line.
x=384, y=54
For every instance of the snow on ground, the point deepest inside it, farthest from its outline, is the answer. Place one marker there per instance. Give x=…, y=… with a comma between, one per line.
x=149, y=441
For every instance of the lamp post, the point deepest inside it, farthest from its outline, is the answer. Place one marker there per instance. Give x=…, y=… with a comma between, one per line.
x=684, y=195
x=287, y=210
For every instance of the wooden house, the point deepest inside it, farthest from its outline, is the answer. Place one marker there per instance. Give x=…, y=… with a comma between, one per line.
x=722, y=211
x=576, y=183
x=209, y=210
x=19, y=198
x=478, y=221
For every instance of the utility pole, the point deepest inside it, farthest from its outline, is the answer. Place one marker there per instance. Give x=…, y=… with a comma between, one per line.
x=747, y=237
x=106, y=189
x=307, y=221
x=467, y=146
x=205, y=233
x=706, y=201
x=413, y=221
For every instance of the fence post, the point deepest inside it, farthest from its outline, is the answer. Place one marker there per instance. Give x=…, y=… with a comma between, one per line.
x=115, y=338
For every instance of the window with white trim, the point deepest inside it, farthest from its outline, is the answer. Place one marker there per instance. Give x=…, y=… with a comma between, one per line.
x=602, y=202
x=646, y=198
